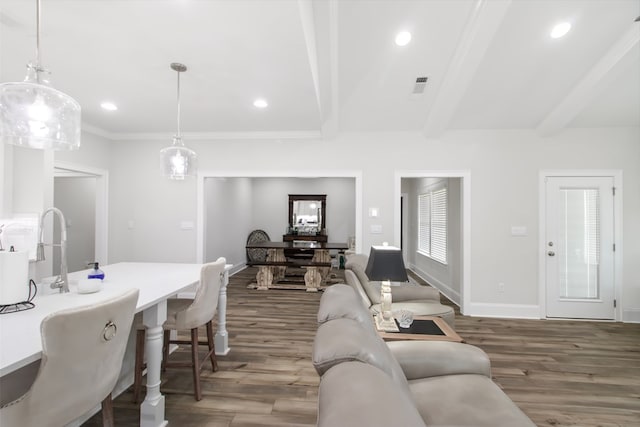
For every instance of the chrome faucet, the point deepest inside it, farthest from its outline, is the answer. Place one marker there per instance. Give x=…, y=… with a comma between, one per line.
x=61, y=282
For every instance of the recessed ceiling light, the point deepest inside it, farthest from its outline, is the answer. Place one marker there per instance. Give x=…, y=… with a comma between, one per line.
x=109, y=106
x=260, y=103
x=560, y=30
x=403, y=38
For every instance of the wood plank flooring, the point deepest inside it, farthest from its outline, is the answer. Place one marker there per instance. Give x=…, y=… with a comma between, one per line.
x=560, y=373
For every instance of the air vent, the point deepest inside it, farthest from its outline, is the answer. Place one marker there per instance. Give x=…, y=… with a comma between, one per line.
x=421, y=83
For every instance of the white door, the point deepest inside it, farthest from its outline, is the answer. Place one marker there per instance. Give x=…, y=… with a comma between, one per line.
x=580, y=247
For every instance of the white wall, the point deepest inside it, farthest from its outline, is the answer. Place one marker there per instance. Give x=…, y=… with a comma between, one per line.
x=236, y=206
x=76, y=198
x=228, y=218
x=503, y=165
x=271, y=204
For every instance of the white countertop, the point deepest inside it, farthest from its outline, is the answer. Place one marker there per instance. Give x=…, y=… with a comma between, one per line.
x=20, y=342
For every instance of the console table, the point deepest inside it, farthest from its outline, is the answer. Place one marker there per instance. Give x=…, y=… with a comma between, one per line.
x=322, y=238
x=317, y=269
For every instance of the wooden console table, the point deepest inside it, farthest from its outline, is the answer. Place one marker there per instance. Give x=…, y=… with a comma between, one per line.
x=322, y=238
x=317, y=269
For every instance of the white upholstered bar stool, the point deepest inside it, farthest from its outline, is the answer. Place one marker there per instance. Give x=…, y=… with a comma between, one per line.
x=188, y=314
x=82, y=352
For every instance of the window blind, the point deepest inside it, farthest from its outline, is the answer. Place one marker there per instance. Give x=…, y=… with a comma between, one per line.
x=432, y=224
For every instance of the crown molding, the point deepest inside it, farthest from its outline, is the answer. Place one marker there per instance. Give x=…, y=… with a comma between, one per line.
x=202, y=136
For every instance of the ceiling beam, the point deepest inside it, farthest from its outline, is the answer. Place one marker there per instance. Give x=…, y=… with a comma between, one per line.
x=590, y=85
x=320, y=26
x=484, y=22
x=308, y=28
x=331, y=123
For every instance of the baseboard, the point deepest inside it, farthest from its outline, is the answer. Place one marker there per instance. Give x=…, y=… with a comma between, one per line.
x=631, y=315
x=514, y=311
x=451, y=294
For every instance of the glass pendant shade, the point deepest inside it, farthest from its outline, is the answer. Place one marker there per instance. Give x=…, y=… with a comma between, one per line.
x=178, y=161
x=35, y=115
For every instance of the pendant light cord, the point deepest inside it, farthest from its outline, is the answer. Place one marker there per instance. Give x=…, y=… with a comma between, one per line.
x=178, y=104
x=38, y=68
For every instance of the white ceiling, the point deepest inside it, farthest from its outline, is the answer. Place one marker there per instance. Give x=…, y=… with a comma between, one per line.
x=327, y=66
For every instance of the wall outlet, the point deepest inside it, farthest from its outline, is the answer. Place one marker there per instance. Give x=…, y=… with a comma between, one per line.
x=376, y=229
x=501, y=287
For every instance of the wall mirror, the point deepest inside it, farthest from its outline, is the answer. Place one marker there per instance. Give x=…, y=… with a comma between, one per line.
x=307, y=213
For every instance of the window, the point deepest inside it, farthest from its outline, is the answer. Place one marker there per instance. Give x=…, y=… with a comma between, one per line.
x=432, y=224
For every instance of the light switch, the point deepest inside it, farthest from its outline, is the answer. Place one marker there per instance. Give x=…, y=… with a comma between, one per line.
x=130, y=224
x=186, y=225
x=518, y=230
x=373, y=212
x=376, y=229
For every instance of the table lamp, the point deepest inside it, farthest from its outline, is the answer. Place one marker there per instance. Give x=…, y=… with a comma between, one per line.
x=386, y=265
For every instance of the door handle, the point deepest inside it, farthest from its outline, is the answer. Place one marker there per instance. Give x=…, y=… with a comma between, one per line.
x=551, y=253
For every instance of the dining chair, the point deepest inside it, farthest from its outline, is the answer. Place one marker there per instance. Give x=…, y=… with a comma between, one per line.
x=82, y=353
x=187, y=314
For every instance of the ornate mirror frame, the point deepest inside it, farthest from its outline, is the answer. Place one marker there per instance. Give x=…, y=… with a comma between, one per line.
x=322, y=198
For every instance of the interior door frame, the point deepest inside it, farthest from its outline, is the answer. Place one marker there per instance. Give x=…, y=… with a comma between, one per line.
x=617, y=232
x=102, y=205
x=465, y=182
x=200, y=196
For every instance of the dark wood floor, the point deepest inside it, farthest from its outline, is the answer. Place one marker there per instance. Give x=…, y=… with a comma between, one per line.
x=560, y=373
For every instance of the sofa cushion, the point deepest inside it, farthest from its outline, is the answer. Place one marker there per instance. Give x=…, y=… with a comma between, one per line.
x=349, y=393
x=422, y=359
x=465, y=400
x=345, y=340
x=340, y=301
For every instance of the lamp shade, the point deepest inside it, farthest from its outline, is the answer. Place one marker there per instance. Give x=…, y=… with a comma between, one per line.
x=36, y=115
x=177, y=161
x=386, y=263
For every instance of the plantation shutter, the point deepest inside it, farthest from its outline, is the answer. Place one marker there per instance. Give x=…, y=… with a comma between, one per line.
x=432, y=224
x=439, y=225
x=424, y=223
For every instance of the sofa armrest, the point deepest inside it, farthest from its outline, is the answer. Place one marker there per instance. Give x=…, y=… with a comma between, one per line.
x=410, y=292
x=423, y=359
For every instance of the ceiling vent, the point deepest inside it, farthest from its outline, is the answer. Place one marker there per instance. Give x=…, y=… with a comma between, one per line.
x=421, y=83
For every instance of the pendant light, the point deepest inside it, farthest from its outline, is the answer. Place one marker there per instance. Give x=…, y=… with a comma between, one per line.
x=33, y=114
x=178, y=161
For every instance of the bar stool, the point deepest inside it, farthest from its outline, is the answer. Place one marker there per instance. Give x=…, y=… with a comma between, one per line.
x=82, y=353
x=187, y=314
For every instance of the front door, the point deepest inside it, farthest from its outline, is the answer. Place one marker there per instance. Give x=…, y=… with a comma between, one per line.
x=579, y=247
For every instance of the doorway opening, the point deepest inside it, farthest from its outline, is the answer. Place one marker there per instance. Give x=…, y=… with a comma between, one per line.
x=447, y=267
x=80, y=192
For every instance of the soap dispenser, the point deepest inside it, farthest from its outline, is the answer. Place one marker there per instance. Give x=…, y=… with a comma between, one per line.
x=96, y=273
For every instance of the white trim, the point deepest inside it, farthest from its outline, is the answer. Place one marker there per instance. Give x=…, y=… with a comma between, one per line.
x=631, y=315
x=405, y=221
x=200, y=231
x=451, y=294
x=616, y=174
x=216, y=136
x=510, y=311
x=201, y=136
x=466, y=220
x=102, y=205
